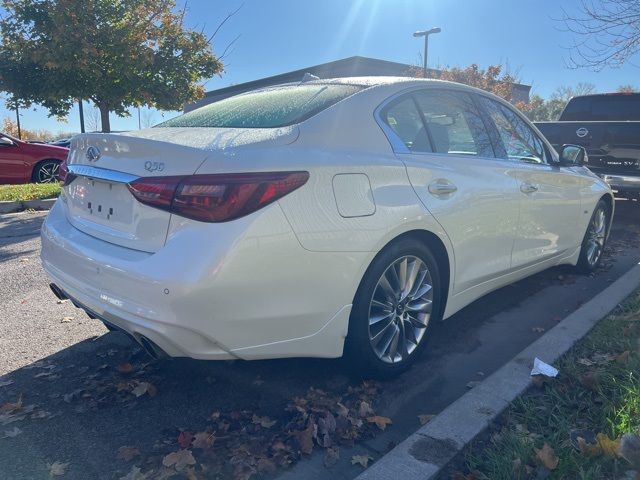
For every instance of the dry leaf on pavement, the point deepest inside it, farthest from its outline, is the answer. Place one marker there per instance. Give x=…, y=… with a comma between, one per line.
x=362, y=460
x=265, y=422
x=144, y=387
x=184, y=439
x=547, y=457
x=125, y=368
x=179, y=460
x=136, y=474
x=381, y=422
x=66, y=320
x=424, y=419
x=57, y=469
x=203, y=440
x=127, y=453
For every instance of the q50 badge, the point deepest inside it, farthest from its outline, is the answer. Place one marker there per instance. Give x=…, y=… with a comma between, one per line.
x=150, y=166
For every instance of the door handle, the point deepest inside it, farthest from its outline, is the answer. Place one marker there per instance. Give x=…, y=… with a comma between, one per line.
x=528, y=188
x=442, y=187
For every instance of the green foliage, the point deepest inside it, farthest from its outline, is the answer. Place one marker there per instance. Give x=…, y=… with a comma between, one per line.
x=117, y=54
x=29, y=191
x=541, y=110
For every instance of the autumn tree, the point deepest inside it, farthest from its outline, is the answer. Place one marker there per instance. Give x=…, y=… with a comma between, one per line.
x=539, y=109
x=116, y=54
x=606, y=32
x=627, y=89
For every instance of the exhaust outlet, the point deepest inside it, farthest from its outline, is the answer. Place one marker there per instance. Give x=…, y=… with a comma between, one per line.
x=151, y=348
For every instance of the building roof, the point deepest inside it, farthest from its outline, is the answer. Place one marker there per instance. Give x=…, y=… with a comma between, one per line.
x=347, y=67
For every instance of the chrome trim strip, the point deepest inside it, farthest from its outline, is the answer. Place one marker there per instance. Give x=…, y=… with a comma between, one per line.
x=102, y=174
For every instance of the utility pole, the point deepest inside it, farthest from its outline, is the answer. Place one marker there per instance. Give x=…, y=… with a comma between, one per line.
x=81, y=115
x=139, y=122
x=18, y=120
x=425, y=34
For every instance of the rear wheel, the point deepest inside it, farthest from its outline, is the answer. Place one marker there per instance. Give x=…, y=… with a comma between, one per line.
x=594, y=239
x=46, y=171
x=396, y=303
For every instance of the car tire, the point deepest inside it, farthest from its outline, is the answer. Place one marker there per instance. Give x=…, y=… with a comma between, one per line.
x=595, y=239
x=46, y=171
x=390, y=322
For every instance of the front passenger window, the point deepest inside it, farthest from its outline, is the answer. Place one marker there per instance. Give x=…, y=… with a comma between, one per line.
x=519, y=140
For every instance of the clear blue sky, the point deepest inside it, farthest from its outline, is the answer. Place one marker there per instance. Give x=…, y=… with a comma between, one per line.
x=283, y=35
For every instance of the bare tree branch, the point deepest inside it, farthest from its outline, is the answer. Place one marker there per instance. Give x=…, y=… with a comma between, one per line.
x=606, y=33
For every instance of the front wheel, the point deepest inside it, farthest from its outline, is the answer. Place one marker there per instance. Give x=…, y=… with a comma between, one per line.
x=396, y=303
x=594, y=239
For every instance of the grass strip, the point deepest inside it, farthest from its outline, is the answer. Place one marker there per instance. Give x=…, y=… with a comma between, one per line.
x=29, y=191
x=571, y=427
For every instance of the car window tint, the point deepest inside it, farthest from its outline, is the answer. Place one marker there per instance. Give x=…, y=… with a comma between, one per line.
x=520, y=141
x=268, y=108
x=403, y=117
x=454, y=123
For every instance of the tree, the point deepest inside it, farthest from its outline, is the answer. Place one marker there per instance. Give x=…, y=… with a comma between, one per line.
x=540, y=109
x=490, y=79
x=627, y=89
x=116, y=54
x=606, y=33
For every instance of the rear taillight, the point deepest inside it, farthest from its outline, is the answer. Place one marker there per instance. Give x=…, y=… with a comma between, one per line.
x=217, y=197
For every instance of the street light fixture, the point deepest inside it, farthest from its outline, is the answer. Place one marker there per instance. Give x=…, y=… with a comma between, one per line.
x=425, y=34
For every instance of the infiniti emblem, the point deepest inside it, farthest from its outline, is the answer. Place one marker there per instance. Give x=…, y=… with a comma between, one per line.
x=582, y=132
x=93, y=153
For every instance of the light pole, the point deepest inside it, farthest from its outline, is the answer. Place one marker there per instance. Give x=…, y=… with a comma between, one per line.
x=425, y=34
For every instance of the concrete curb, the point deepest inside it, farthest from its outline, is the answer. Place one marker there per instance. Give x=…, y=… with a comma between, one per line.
x=426, y=452
x=11, y=207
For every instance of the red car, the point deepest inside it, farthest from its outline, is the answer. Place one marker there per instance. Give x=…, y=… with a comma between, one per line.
x=22, y=162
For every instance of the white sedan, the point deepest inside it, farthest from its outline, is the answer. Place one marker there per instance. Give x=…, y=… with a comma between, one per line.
x=316, y=219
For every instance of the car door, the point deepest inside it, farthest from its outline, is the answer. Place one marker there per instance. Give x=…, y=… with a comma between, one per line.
x=453, y=169
x=550, y=195
x=12, y=167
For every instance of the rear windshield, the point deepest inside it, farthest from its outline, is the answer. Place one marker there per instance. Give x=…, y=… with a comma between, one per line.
x=269, y=108
x=603, y=108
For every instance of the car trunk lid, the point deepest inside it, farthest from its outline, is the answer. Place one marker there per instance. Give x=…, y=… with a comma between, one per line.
x=98, y=200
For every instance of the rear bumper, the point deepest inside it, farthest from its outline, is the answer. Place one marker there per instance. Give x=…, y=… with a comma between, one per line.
x=622, y=182
x=243, y=289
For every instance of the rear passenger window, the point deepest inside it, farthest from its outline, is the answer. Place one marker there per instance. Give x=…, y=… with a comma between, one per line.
x=403, y=117
x=453, y=123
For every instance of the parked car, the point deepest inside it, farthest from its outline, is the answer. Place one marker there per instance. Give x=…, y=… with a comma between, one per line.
x=23, y=162
x=62, y=142
x=608, y=127
x=300, y=219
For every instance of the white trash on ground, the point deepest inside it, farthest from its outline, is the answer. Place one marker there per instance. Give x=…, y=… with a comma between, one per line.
x=541, y=368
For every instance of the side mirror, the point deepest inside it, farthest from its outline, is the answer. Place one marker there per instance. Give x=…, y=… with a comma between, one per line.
x=573, y=156
x=5, y=141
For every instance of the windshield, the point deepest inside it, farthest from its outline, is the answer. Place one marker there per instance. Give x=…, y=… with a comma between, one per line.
x=269, y=108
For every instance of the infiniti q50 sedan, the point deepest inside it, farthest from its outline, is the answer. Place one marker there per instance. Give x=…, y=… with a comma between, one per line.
x=316, y=219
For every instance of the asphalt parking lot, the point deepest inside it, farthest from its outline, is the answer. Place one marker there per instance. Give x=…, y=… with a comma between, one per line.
x=77, y=384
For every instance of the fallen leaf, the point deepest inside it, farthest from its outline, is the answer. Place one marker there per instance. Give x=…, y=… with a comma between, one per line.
x=365, y=409
x=179, y=460
x=588, y=449
x=538, y=329
x=60, y=302
x=424, y=419
x=331, y=456
x=57, y=469
x=381, y=422
x=66, y=320
x=362, y=460
x=136, y=474
x=14, y=432
x=547, y=457
x=305, y=438
x=265, y=422
x=184, y=439
x=125, y=368
x=590, y=380
x=203, y=440
x=127, y=453
x=609, y=447
x=144, y=387
x=623, y=357
x=9, y=407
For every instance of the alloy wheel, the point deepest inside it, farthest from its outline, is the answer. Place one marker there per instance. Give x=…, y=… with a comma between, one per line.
x=48, y=172
x=596, y=236
x=400, y=309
